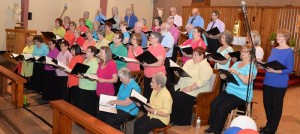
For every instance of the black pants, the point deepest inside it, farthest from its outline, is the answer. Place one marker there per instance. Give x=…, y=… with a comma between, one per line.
x=114, y=120
x=147, y=87
x=37, y=77
x=88, y=101
x=170, y=73
x=219, y=109
x=63, y=91
x=182, y=108
x=117, y=86
x=273, y=103
x=223, y=85
x=74, y=91
x=213, y=45
x=49, y=85
x=144, y=124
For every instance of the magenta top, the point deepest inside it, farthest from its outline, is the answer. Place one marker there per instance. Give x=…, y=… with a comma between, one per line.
x=106, y=73
x=52, y=54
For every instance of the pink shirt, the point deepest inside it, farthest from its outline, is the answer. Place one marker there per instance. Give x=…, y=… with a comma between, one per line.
x=159, y=50
x=63, y=57
x=175, y=33
x=133, y=66
x=106, y=73
x=88, y=43
x=200, y=42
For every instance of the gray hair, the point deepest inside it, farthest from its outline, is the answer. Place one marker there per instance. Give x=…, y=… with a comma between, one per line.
x=124, y=73
x=157, y=35
x=160, y=78
x=256, y=38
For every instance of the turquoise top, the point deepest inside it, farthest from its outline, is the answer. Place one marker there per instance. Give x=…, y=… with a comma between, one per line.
x=241, y=90
x=119, y=51
x=224, y=52
x=124, y=93
x=40, y=51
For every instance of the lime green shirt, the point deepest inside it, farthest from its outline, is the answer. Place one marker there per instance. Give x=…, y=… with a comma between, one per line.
x=27, y=67
x=89, y=24
x=85, y=83
x=59, y=31
x=110, y=36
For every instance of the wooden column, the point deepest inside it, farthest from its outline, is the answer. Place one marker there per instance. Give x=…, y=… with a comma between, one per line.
x=103, y=6
x=24, y=16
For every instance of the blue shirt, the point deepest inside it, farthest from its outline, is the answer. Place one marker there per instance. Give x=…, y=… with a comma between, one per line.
x=241, y=90
x=168, y=41
x=124, y=93
x=100, y=18
x=132, y=20
x=198, y=21
x=285, y=57
x=144, y=40
x=126, y=34
x=95, y=35
x=42, y=51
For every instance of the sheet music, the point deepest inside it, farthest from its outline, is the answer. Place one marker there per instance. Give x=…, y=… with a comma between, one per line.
x=138, y=96
x=184, y=46
x=27, y=56
x=105, y=106
x=49, y=61
x=128, y=59
x=15, y=55
x=58, y=37
x=173, y=64
x=59, y=63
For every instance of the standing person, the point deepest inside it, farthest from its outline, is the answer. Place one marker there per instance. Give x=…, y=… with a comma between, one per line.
x=159, y=52
x=259, y=52
x=158, y=115
x=234, y=95
x=66, y=23
x=135, y=49
x=157, y=22
x=90, y=40
x=213, y=43
x=130, y=18
x=116, y=17
x=73, y=81
x=78, y=39
x=138, y=29
x=27, y=66
x=100, y=17
x=88, y=22
x=119, y=49
x=40, y=49
x=177, y=18
x=88, y=99
x=64, y=57
x=109, y=34
x=195, y=18
x=50, y=78
x=175, y=33
x=59, y=30
x=69, y=36
x=276, y=81
x=126, y=34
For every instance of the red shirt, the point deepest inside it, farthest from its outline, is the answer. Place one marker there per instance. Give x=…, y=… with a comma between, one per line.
x=159, y=50
x=198, y=43
x=69, y=36
x=80, y=40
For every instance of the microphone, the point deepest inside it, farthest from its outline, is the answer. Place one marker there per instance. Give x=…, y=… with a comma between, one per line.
x=244, y=7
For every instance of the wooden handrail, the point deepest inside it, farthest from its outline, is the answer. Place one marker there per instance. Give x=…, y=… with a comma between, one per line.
x=16, y=86
x=64, y=114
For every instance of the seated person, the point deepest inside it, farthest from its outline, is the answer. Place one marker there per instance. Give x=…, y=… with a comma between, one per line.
x=161, y=105
x=200, y=71
x=125, y=107
x=234, y=95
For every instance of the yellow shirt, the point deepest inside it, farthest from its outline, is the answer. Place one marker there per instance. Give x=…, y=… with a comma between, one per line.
x=103, y=42
x=200, y=73
x=161, y=102
x=28, y=49
x=59, y=31
x=110, y=36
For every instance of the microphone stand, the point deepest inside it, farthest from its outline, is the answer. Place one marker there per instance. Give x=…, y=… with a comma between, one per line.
x=252, y=53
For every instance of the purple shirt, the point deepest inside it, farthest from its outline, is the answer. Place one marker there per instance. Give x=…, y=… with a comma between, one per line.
x=218, y=23
x=52, y=54
x=175, y=33
x=64, y=57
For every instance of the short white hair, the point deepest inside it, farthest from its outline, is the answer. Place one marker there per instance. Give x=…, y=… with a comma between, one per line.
x=160, y=78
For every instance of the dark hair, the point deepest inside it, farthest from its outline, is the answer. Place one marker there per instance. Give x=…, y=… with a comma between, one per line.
x=109, y=24
x=120, y=34
x=199, y=30
x=159, y=20
x=200, y=51
x=77, y=49
x=216, y=13
x=74, y=24
x=66, y=43
x=60, y=22
x=93, y=50
x=38, y=38
x=138, y=38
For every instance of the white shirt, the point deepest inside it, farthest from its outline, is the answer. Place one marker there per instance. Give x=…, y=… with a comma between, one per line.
x=259, y=52
x=168, y=41
x=177, y=20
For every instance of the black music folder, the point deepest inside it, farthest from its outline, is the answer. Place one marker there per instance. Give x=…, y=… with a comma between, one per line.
x=111, y=20
x=137, y=97
x=229, y=76
x=181, y=72
x=273, y=64
x=216, y=56
x=80, y=68
x=187, y=49
x=213, y=31
x=148, y=33
x=40, y=58
x=122, y=58
x=236, y=54
x=146, y=57
x=23, y=57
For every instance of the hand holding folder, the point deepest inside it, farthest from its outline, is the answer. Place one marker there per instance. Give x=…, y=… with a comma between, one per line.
x=178, y=69
x=146, y=57
x=236, y=54
x=214, y=31
x=216, y=56
x=137, y=97
x=22, y=57
x=187, y=49
x=273, y=64
x=104, y=103
x=229, y=76
x=122, y=58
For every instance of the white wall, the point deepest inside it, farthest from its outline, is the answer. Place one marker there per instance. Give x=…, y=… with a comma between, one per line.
x=142, y=8
x=6, y=20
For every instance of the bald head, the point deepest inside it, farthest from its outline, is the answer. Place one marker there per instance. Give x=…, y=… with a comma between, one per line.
x=195, y=12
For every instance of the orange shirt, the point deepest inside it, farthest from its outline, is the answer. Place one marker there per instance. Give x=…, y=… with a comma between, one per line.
x=137, y=51
x=69, y=36
x=145, y=29
x=88, y=43
x=72, y=79
x=159, y=50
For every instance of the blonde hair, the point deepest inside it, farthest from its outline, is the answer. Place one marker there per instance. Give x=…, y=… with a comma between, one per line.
x=285, y=33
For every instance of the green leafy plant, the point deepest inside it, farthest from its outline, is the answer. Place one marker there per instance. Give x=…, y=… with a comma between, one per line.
x=273, y=36
x=292, y=43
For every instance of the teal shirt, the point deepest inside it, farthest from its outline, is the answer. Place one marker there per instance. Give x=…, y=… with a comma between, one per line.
x=42, y=51
x=124, y=93
x=241, y=90
x=120, y=51
x=85, y=83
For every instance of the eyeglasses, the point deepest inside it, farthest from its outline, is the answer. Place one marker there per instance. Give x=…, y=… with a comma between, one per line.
x=133, y=38
x=116, y=38
x=245, y=51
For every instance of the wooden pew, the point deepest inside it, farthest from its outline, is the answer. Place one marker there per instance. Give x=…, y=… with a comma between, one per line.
x=64, y=114
x=16, y=86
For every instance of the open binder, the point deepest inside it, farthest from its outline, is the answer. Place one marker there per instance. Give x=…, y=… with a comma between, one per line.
x=187, y=49
x=177, y=68
x=146, y=57
x=229, y=76
x=137, y=97
x=23, y=57
x=104, y=103
x=216, y=56
x=273, y=64
x=122, y=58
x=236, y=54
